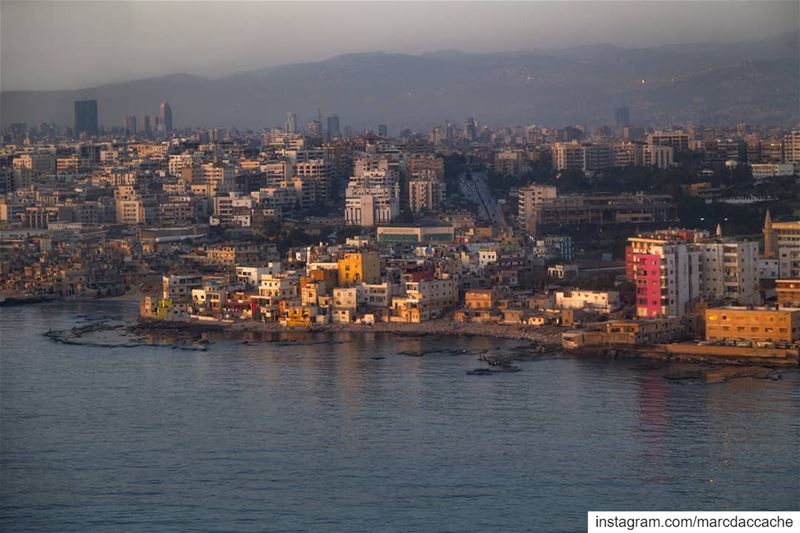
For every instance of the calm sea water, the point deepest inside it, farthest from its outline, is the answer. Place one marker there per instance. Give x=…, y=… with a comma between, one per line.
x=325, y=437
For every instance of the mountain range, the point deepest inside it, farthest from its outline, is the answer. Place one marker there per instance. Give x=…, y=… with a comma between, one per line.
x=705, y=83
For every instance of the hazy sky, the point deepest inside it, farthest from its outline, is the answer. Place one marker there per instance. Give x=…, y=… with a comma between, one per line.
x=70, y=45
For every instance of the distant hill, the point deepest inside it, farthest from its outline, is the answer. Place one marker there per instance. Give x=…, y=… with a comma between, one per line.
x=706, y=83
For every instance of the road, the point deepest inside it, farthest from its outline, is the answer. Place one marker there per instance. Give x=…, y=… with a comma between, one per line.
x=474, y=188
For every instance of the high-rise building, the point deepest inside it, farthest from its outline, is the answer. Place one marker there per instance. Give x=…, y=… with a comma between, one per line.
x=729, y=271
x=679, y=140
x=470, y=129
x=130, y=124
x=656, y=155
x=372, y=198
x=383, y=130
x=622, y=117
x=166, y=116
x=146, y=127
x=666, y=270
x=791, y=147
x=332, y=130
x=314, y=128
x=86, y=117
x=291, y=123
x=568, y=156
x=425, y=191
x=530, y=197
x=782, y=241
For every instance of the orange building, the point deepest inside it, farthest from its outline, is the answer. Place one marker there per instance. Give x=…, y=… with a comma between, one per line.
x=759, y=324
x=480, y=299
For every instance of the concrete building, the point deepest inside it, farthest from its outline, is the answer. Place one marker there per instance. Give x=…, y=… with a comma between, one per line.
x=782, y=242
x=179, y=288
x=531, y=196
x=656, y=155
x=678, y=140
x=770, y=170
x=359, y=267
x=729, y=272
x=665, y=268
x=425, y=192
x=39, y=164
x=600, y=301
x=568, y=156
x=788, y=293
x=418, y=234
x=760, y=324
x=372, y=198
x=480, y=299
x=791, y=147
x=425, y=300
x=509, y=162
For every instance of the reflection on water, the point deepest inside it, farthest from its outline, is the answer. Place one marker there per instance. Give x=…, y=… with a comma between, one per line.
x=345, y=434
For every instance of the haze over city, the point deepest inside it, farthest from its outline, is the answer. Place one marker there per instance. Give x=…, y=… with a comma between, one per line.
x=92, y=43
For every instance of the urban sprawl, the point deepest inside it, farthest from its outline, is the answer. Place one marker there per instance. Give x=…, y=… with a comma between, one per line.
x=682, y=240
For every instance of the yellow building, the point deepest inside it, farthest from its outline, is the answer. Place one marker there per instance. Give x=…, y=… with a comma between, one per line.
x=480, y=299
x=759, y=324
x=359, y=267
x=298, y=315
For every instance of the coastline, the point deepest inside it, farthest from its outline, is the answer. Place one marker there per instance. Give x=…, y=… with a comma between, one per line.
x=548, y=337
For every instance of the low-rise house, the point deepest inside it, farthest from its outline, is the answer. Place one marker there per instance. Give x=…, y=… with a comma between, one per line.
x=480, y=299
x=602, y=301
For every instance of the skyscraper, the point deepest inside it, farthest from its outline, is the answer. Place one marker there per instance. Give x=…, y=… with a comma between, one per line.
x=291, y=123
x=383, y=130
x=166, y=116
x=333, y=126
x=146, y=127
x=86, y=117
x=470, y=129
x=622, y=117
x=130, y=125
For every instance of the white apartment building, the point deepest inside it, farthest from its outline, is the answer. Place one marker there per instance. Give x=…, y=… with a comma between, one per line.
x=729, y=272
x=278, y=286
x=372, y=198
x=254, y=275
x=656, y=155
x=601, y=301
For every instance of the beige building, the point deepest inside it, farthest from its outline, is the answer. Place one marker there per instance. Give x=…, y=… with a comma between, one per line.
x=530, y=197
x=425, y=192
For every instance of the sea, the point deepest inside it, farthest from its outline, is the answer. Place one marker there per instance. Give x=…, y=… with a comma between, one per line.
x=366, y=433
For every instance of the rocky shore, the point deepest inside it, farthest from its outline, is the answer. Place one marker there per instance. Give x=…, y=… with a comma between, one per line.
x=549, y=337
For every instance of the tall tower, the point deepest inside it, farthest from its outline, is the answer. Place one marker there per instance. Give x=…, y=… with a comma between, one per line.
x=166, y=116
x=86, y=117
x=291, y=123
x=130, y=125
x=769, y=237
x=332, y=129
x=622, y=117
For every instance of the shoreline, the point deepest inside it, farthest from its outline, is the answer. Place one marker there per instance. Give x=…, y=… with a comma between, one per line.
x=549, y=337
